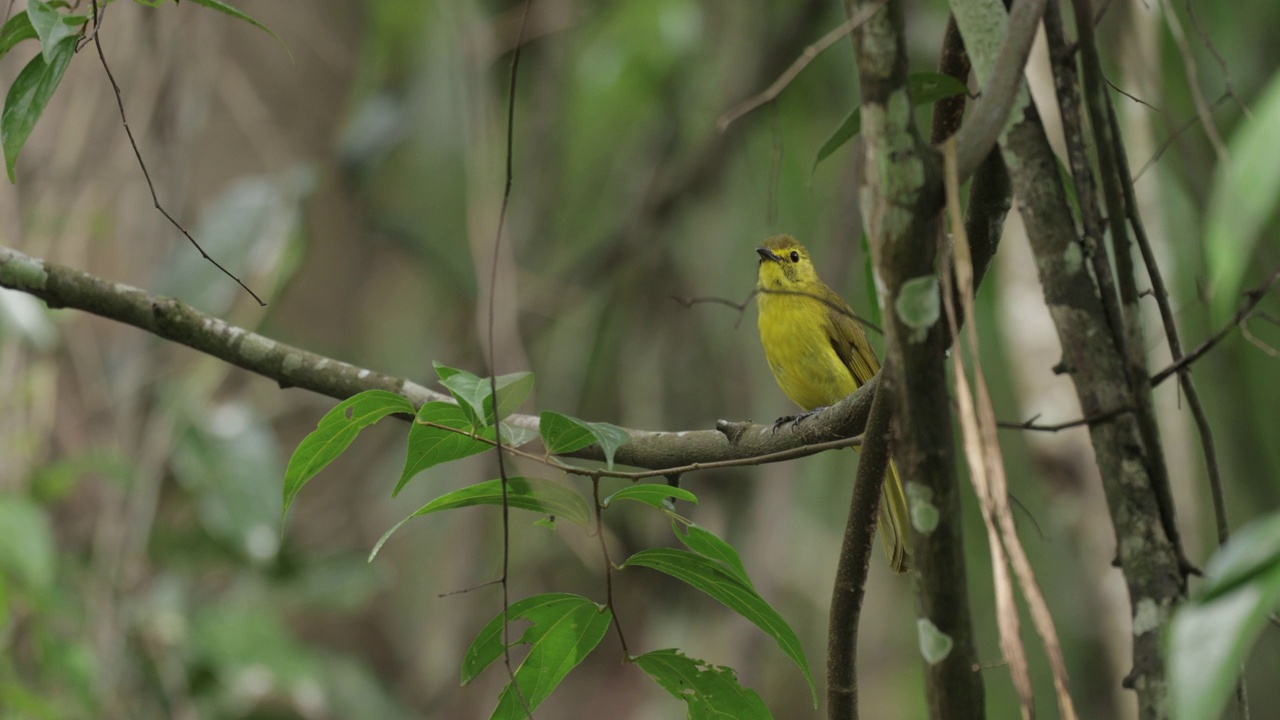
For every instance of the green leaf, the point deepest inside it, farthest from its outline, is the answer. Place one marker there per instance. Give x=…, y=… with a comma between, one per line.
x=233, y=12
x=1252, y=551
x=1210, y=636
x=17, y=29
x=1242, y=201
x=565, y=629
x=28, y=97
x=652, y=494
x=472, y=392
x=849, y=127
x=564, y=434
x=430, y=446
x=709, y=546
x=711, y=692
x=715, y=580
x=26, y=543
x=536, y=494
x=925, y=88
x=517, y=435
x=335, y=431
x=52, y=27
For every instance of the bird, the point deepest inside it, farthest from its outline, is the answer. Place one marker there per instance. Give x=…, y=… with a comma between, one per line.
x=819, y=353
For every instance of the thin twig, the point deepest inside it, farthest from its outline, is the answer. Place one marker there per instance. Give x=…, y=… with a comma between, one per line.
x=97, y=43
x=831, y=305
x=1169, y=141
x=1161, y=294
x=740, y=307
x=1253, y=340
x=493, y=362
x=473, y=588
x=1217, y=56
x=1253, y=297
x=1193, y=81
x=1129, y=95
x=1007, y=621
x=982, y=449
x=1030, y=424
x=608, y=567
x=806, y=57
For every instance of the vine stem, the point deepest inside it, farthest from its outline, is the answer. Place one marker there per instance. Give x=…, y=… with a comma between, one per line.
x=493, y=363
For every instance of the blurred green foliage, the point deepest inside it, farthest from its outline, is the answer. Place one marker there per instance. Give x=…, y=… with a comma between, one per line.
x=142, y=573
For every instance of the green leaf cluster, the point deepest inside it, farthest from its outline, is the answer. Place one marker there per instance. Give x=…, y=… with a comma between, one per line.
x=563, y=628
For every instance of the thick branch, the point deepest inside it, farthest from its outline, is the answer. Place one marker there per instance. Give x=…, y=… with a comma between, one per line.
x=1002, y=82
x=1129, y=337
x=902, y=197
x=171, y=319
x=851, y=570
x=953, y=688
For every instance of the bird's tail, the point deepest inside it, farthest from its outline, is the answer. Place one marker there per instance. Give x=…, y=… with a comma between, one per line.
x=894, y=527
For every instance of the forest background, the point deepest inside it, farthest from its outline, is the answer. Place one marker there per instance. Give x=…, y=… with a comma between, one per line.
x=354, y=181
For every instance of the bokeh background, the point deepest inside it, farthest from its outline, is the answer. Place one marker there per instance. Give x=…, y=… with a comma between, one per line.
x=354, y=178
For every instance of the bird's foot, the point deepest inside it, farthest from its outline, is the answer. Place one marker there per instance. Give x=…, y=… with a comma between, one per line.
x=796, y=419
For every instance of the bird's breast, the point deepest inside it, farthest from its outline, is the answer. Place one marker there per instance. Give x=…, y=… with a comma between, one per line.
x=799, y=351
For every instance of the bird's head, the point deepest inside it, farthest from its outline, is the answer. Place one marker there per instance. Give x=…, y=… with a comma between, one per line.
x=784, y=264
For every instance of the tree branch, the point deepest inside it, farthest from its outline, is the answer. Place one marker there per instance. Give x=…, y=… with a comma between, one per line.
x=851, y=569
x=1002, y=83
x=952, y=686
x=1098, y=371
x=902, y=196
x=1252, y=298
x=63, y=287
x=1129, y=336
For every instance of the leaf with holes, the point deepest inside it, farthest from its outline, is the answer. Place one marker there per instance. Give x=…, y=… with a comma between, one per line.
x=535, y=494
x=334, y=433
x=565, y=629
x=711, y=692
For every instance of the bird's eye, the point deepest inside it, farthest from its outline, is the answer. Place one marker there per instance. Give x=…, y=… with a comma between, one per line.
x=795, y=256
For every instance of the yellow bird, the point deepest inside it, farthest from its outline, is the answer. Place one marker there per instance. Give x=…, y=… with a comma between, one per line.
x=819, y=353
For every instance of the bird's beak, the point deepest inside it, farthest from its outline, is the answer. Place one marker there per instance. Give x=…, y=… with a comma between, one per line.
x=767, y=254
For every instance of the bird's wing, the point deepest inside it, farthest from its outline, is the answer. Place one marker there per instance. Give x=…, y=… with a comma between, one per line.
x=849, y=340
